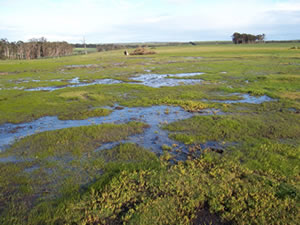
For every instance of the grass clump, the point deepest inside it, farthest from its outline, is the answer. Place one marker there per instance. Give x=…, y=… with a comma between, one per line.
x=165, y=147
x=126, y=153
x=81, y=115
x=188, y=105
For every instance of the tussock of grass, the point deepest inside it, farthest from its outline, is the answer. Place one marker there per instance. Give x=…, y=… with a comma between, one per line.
x=80, y=115
x=127, y=153
x=190, y=106
x=74, y=95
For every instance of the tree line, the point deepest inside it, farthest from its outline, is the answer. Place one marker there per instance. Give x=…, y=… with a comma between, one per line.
x=33, y=49
x=109, y=47
x=238, y=38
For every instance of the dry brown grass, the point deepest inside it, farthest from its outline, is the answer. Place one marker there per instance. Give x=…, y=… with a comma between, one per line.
x=291, y=95
x=142, y=51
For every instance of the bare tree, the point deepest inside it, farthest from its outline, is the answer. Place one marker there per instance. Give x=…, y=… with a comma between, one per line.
x=84, y=45
x=33, y=49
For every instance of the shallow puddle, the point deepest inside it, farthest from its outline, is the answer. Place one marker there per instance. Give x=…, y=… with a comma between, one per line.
x=246, y=99
x=193, y=57
x=155, y=116
x=293, y=110
x=160, y=80
x=9, y=159
x=153, y=137
x=151, y=80
x=82, y=66
x=76, y=83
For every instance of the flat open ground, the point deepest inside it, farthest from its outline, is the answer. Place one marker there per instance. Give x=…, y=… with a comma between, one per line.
x=191, y=135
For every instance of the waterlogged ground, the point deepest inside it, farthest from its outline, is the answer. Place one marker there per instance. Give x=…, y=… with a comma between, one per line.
x=154, y=116
x=191, y=132
x=151, y=80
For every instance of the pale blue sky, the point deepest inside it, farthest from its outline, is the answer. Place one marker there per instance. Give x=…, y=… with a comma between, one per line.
x=107, y=21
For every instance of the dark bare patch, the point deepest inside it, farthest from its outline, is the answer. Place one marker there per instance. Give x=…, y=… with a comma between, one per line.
x=205, y=217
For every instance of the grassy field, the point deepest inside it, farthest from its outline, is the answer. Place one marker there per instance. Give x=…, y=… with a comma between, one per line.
x=57, y=177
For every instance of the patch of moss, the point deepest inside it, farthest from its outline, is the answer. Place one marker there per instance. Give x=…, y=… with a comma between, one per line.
x=81, y=115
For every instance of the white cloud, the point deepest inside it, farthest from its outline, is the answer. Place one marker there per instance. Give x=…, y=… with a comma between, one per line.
x=179, y=1
x=287, y=6
x=135, y=20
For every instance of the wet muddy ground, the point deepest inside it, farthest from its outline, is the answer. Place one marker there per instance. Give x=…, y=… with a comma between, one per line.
x=160, y=80
x=246, y=98
x=153, y=138
x=76, y=83
x=151, y=80
x=156, y=116
x=50, y=155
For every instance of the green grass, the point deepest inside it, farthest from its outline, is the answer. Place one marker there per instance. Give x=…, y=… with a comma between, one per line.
x=62, y=180
x=62, y=177
x=237, y=128
x=270, y=69
x=163, y=195
x=81, y=115
x=127, y=153
x=266, y=142
x=73, y=141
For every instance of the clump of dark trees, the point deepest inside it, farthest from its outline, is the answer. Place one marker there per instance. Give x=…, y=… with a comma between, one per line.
x=238, y=38
x=33, y=49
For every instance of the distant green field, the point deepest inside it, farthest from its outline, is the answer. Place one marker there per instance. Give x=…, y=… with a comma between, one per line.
x=61, y=177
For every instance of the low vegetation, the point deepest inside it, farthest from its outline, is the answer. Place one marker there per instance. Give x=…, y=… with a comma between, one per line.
x=61, y=176
x=74, y=141
x=152, y=193
x=81, y=115
x=295, y=47
x=272, y=125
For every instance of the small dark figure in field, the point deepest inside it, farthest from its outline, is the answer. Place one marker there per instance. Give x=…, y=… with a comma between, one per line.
x=126, y=53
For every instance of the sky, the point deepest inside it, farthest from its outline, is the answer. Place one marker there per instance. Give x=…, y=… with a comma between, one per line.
x=123, y=21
